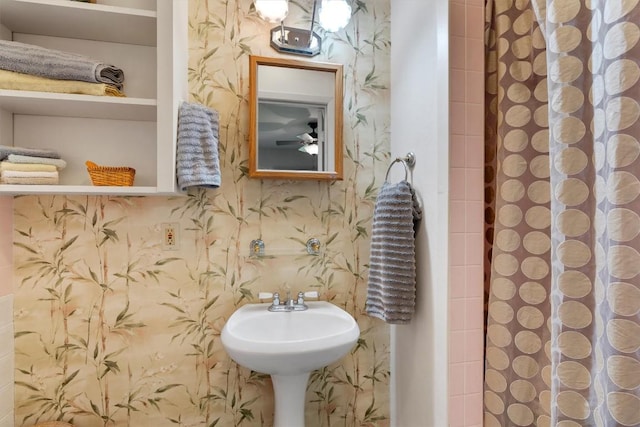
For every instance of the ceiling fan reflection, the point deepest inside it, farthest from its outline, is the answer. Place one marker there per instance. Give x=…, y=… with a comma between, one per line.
x=304, y=139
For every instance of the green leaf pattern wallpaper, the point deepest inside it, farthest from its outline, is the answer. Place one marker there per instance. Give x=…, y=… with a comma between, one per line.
x=113, y=330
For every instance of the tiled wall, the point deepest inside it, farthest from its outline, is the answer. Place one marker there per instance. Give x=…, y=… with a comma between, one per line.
x=6, y=313
x=6, y=243
x=466, y=342
x=6, y=361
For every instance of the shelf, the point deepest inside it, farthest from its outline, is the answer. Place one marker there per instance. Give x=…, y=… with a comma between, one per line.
x=85, y=106
x=64, y=18
x=76, y=189
x=149, y=41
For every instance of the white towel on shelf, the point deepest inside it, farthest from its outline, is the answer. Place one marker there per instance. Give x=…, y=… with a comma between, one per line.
x=391, y=288
x=197, y=163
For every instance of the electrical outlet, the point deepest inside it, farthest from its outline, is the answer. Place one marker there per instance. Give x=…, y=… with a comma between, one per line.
x=170, y=236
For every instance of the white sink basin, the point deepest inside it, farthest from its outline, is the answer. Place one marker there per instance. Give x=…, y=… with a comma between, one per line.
x=289, y=343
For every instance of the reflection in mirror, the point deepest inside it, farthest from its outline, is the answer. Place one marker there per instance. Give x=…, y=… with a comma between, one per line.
x=296, y=119
x=291, y=136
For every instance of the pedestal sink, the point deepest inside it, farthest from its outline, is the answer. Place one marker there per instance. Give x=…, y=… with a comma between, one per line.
x=288, y=346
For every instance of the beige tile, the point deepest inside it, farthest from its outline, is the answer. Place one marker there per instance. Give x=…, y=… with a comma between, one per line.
x=457, y=280
x=6, y=310
x=457, y=151
x=457, y=55
x=457, y=248
x=473, y=377
x=6, y=370
x=474, y=219
x=474, y=55
x=474, y=87
x=6, y=401
x=6, y=341
x=474, y=185
x=7, y=420
x=456, y=347
x=456, y=379
x=474, y=21
x=474, y=345
x=474, y=114
x=457, y=119
x=457, y=21
x=456, y=411
x=457, y=86
x=456, y=314
x=474, y=281
x=473, y=410
x=457, y=183
x=473, y=314
x=474, y=151
x=474, y=249
x=457, y=216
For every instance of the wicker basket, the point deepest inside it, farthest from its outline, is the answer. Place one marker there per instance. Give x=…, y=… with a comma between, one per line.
x=111, y=175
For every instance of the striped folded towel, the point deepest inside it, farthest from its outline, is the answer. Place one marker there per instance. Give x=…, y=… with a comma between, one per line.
x=391, y=287
x=26, y=167
x=6, y=150
x=17, y=158
x=21, y=177
x=18, y=81
x=56, y=64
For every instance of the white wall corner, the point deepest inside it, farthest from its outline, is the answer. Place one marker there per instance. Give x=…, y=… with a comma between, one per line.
x=420, y=124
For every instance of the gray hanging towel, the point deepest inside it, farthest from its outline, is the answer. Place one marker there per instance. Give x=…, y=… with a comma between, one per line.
x=55, y=64
x=391, y=288
x=197, y=162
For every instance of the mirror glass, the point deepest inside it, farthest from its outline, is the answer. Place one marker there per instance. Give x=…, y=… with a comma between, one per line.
x=296, y=119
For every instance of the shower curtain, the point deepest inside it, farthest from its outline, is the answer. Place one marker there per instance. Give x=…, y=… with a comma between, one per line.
x=562, y=213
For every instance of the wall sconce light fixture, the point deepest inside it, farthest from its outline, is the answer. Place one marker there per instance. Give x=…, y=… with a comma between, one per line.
x=272, y=10
x=333, y=16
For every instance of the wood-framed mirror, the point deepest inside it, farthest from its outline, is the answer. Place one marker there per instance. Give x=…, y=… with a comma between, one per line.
x=295, y=116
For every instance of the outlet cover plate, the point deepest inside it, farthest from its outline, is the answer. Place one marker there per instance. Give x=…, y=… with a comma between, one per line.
x=170, y=236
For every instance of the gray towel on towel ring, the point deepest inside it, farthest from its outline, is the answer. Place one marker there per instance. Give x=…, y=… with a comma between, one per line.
x=391, y=288
x=197, y=162
x=56, y=64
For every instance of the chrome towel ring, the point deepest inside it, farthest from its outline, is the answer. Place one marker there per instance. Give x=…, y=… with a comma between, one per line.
x=408, y=161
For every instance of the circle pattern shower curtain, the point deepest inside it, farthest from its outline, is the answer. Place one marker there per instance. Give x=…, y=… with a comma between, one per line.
x=563, y=164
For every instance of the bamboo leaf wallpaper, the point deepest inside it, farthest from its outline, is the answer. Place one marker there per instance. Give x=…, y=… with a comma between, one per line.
x=112, y=330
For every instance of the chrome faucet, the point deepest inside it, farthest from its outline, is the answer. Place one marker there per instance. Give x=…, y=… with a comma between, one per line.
x=289, y=304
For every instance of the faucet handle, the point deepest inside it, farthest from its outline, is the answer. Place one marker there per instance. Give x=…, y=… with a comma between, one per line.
x=300, y=305
x=309, y=294
x=269, y=295
x=265, y=295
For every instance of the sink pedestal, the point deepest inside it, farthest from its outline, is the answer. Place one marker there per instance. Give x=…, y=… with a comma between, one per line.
x=289, y=391
x=289, y=345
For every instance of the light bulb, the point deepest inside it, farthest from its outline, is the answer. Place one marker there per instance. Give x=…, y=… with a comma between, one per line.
x=272, y=10
x=334, y=14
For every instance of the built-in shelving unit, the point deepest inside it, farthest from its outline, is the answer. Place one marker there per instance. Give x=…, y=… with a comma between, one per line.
x=148, y=40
